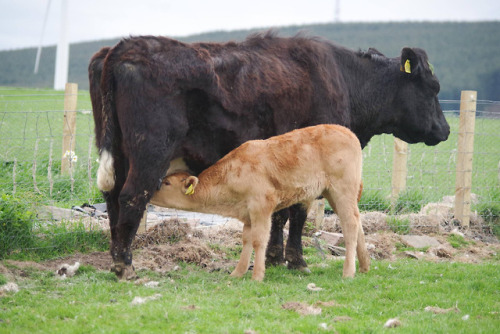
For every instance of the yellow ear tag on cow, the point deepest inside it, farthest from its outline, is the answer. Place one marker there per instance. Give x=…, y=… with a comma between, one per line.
x=190, y=190
x=407, y=66
x=431, y=68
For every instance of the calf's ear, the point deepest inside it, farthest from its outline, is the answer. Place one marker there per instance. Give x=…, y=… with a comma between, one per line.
x=190, y=184
x=410, y=62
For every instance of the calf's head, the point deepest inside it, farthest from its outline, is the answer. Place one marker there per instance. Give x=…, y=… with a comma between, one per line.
x=175, y=191
x=418, y=115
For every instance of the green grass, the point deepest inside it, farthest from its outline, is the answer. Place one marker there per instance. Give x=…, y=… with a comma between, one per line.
x=195, y=301
x=398, y=225
x=457, y=241
x=52, y=241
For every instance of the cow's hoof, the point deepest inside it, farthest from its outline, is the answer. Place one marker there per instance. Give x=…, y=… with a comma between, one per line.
x=274, y=256
x=299, y=267
x=124, y=272
x=295, y=261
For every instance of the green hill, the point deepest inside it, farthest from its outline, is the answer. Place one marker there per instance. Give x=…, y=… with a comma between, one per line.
x=464, y=55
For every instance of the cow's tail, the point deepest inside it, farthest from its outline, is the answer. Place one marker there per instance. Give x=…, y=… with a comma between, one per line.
x=101, y=93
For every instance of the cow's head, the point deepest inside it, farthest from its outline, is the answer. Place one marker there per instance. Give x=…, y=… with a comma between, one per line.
x=419, y=116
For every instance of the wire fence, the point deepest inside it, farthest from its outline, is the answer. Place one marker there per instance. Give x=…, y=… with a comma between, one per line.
x=33, y=155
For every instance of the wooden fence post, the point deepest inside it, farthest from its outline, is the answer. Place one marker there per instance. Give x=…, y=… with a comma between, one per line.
x=69, y=127
x=319, y=216
x=143, y=223
x=399, y=168
x=465, y=152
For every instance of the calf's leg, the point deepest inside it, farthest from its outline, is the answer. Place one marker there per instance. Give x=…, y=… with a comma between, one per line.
x=246, y=253
x=345, y=205
x=363, y=256
x=260, y=238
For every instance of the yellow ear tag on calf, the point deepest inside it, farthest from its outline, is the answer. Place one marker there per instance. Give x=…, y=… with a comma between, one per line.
x=407, y=66
x=190, y=190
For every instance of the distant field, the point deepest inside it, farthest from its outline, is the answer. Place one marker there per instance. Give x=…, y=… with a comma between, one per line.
x=31, y=123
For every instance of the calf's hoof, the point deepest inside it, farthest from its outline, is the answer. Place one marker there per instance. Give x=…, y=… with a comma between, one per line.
x=124, y=272
x=348, y=275
x=237, y=274
x=258, y=278
x=364, y=267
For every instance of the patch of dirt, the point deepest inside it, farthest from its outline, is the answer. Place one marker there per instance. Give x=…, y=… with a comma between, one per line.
x=384, y=245
x=438, y=310
x=302, y=308
x=382, y=242
x=171, y=231
x=166, y=244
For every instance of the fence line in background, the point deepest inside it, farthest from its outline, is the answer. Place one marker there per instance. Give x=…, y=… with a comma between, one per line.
x=465, y=152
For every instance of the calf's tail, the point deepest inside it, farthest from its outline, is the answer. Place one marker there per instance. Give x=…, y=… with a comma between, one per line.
x=360, y=191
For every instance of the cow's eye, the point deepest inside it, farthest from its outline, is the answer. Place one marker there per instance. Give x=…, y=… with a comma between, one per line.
x=166, y=183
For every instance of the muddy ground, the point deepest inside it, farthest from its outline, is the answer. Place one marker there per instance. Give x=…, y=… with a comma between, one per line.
x=171, y=241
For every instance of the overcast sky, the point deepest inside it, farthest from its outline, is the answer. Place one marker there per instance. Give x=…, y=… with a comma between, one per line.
x=21, y=21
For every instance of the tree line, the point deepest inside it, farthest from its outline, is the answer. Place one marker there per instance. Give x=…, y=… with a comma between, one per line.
x=465, y=55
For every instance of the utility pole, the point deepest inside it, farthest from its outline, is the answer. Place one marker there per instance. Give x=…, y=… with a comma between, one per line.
x=337, y=12
x=62, y=54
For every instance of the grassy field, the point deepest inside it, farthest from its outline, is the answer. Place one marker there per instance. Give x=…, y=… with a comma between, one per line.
x=192, y=300
x=31, y=127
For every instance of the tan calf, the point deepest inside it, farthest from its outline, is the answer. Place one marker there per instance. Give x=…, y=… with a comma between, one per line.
x=263, y=176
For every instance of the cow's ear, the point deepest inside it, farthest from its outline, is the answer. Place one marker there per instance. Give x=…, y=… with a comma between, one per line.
x=190, y=184
x=410, y=62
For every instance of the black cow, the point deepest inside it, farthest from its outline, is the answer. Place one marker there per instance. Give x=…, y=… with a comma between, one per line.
x=156, y=99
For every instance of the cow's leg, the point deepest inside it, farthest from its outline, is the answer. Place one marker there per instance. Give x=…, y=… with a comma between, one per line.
x=140, y=185
x=111, y=197
x=151, y=126
x=246, y=253
x=274, y=252
x=293, y=251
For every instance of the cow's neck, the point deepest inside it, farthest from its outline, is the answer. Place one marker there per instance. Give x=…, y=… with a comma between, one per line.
x=371, y=98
